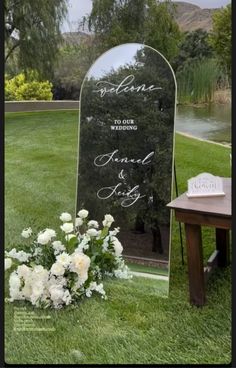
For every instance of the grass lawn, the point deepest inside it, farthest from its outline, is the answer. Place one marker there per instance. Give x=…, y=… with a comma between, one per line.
x=135, y=324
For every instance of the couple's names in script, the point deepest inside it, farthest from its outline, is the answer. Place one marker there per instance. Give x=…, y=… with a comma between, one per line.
x=128, y=194
x=104, y=87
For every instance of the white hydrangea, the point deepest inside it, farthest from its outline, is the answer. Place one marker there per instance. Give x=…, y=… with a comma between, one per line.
x=7, y=263
x=83, y=245
x=93, y=286
x=24, y=271
x=56, y=294
x=92, y=232
x=64, y=259
x=108, y=220
x=21, y=256
x=26, y=233
x=58, y=247
x=83, y=213
x=67, y=227
x=78, y=221
x=65, y=217
x=93, y=223
x=123, y=271
x=122, y=274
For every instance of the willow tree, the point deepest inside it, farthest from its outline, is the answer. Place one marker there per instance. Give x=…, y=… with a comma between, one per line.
x=32, y=32
x=144, y=21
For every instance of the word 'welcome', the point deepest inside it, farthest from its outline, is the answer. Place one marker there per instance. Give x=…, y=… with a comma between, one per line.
x=124, y=86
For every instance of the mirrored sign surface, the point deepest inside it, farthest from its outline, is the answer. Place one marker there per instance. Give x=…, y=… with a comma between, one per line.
x=127, y=110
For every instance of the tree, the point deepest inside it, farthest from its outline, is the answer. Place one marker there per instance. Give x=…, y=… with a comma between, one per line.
x=194, y=47
x=75, y=58
x=32, y=30
x=143, y=21
x=221, y=37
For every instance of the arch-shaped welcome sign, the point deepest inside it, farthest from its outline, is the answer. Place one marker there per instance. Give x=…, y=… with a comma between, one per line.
x=126, y=139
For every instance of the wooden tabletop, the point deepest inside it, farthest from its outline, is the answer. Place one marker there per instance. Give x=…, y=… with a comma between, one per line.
x=209, y=205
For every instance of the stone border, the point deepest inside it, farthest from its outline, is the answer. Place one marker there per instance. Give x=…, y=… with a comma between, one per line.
x=29, y=106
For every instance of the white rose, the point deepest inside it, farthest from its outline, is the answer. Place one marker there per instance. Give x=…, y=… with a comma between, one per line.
x=7, y=263
x=93, y=223
x=108, y=220
x=117, y=247
x=26, y=232
x=50, y=232
x=67, y=227
x=65, y=217
x=21, y=255
x=57, y=269
x=83, y=213
x=43, y=238
x=78, y=221
x=92, y=232
x=64, y=259
x=80, y=264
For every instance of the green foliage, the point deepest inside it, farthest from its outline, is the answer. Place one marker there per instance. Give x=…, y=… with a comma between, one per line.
x=143, y=21
x=22, y=88
x=197, y=81
x=194, y=46
x=221, y=37
x=73, y=63
x=32, y=30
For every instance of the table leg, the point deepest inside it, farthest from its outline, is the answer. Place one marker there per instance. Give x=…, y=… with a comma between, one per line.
x=195, y=264
x=222, y=245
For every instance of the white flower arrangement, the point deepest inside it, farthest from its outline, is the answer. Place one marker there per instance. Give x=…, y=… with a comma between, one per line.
x=52, y=272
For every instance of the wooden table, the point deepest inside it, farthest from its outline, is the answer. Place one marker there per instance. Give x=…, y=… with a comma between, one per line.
x=204, y=211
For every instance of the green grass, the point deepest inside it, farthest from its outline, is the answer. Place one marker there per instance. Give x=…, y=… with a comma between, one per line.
x=135, y=324
x=141, y=268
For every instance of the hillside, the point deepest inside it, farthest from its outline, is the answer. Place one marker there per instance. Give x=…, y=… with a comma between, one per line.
x=191, y=17
x=188, y=16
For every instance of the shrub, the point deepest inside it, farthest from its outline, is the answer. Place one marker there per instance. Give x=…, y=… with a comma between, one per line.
x=26, y=88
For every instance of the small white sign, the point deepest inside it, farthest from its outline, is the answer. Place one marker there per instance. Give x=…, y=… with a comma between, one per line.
x=205, y=185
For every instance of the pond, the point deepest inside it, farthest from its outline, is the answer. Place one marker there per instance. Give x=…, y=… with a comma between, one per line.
x=211, y=122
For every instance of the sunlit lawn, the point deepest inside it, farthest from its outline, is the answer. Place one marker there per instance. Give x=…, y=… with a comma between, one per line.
x=135, y=324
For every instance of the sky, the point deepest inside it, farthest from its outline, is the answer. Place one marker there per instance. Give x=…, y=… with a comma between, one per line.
x=78, y=8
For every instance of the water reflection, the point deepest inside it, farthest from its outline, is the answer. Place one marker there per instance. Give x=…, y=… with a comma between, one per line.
x=211, y=122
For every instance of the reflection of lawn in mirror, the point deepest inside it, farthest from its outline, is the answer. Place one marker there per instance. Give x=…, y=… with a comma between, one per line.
x=134, y=325
x=148, y=269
